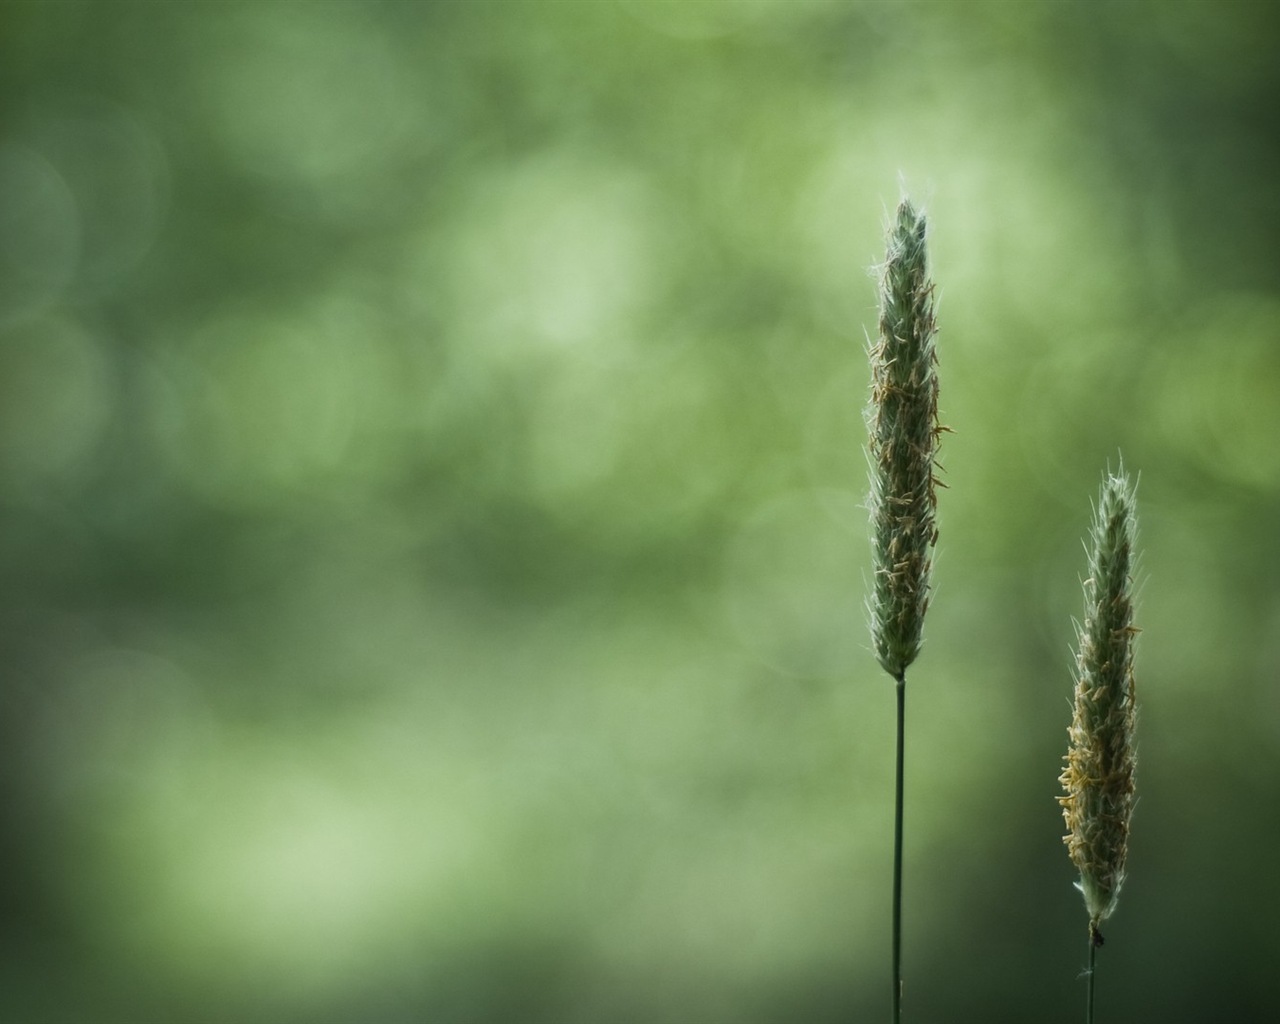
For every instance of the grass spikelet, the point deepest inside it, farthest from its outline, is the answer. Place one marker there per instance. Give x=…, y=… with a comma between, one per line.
x=1098, y=780
x=903, y=422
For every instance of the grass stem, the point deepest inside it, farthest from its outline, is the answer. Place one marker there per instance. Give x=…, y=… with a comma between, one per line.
x=1095, y=940
x=1098, y=780
x=901, y=685
x=903, y=421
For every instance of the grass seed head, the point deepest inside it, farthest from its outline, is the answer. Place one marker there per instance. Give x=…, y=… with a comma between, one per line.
x=903, y=424
x=1098, y=780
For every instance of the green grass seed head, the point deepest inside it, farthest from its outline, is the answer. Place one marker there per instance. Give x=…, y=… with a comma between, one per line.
x=903, y=424
x=1098, y=780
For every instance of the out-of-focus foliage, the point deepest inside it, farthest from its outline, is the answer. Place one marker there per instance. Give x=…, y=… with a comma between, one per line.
x=432, y=554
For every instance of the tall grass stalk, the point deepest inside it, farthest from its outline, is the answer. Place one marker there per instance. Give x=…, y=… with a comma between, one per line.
x=1098, y=780
x=903, y=424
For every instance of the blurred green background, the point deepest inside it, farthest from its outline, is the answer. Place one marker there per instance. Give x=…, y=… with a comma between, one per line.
x=432, y=552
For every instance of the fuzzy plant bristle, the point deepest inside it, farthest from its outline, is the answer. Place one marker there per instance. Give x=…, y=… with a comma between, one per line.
x=903, y=424
x=1098, y=780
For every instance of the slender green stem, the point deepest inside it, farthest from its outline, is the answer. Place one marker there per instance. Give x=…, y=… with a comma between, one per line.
x=901, y=686
x=1095, y=940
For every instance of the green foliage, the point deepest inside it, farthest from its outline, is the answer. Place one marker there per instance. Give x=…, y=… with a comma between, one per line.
x=431, y=482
